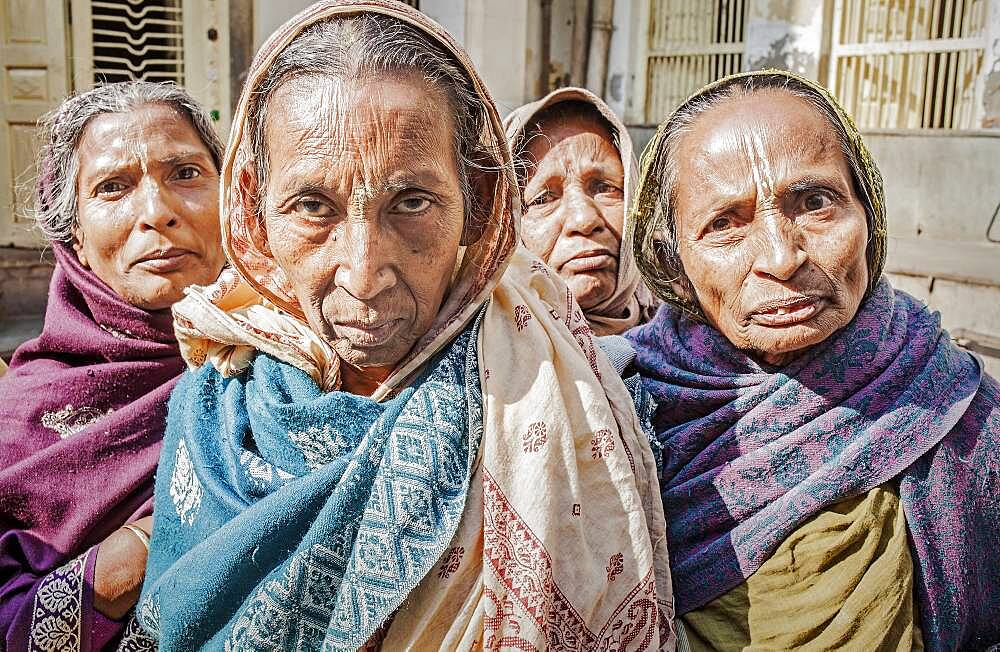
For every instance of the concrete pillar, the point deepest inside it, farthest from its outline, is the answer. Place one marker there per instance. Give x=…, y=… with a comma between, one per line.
x=786, y=35
x=623, y=60
x=497, y=40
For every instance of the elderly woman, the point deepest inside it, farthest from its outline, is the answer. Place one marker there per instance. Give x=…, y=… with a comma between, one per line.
x=127, y=196
x=577, y=174
x=830, y=474
x=397, y=430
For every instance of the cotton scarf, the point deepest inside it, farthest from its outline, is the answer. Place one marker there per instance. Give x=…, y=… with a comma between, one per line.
x=559, y=542
x=82, y=414
x=631, y=303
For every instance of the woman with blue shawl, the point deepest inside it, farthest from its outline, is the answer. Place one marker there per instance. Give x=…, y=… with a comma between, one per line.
x=830, y=475
x=396, y=431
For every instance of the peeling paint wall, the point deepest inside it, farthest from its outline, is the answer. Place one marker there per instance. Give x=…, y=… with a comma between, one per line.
x=991, y=69
x=786, y=34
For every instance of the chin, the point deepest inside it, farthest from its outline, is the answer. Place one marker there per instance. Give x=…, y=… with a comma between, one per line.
x=589, y=292
x=791, y=341
x=386, y=356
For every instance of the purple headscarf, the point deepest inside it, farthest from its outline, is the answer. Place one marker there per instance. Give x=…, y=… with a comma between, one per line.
x=82, y=413
x=751, y=452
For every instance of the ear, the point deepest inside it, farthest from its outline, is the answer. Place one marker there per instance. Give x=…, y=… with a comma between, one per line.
x=483, y=184
x=78, y=238
x=247, y=192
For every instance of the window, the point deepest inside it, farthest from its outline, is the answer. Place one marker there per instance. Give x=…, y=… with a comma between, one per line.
x=908, y=64
x=144, y=41
x=690, y=43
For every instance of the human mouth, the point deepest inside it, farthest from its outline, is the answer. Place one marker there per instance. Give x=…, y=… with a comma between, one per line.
x=162, y=261
x=590, y=261
x=786, y=312
x=367, y=335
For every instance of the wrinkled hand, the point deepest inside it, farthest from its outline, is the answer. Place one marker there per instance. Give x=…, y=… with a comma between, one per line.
x=119, y=571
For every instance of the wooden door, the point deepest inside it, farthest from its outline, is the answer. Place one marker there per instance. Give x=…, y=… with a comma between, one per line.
x=33, y=80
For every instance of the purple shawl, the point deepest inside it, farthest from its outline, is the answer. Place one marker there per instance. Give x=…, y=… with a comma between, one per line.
x=750, y=452
x=82, y=413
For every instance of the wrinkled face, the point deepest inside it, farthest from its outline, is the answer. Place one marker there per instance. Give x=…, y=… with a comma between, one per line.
x=771, y=233
x=148, y=220
x=575, y=205
x=364, y=209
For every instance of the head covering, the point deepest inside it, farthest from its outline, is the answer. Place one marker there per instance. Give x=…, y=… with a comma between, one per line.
x=631, y=303
x=466, y=503
x=82, y=414
x=256, y=286
x=652, y=204
x=752, y=452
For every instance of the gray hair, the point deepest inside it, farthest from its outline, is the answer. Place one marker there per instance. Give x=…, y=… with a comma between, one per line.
x=368, y=46
x=60, y=131
x=655, y=238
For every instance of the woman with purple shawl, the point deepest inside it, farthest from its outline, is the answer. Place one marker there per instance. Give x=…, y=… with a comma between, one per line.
x=830, y=473
x=127, y=196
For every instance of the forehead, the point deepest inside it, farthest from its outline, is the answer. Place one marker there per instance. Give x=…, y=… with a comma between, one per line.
x=333, y=116
x=150, y=131
x=784, y=129
x=577, y=127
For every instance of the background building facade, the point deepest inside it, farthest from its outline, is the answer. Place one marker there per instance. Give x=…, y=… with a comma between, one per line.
x=921, y=77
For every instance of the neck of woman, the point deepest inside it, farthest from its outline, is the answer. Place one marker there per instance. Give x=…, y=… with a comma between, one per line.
x=363, y=381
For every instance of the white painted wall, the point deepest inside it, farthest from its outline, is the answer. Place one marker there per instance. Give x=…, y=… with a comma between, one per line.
x=269, y=15
x=497, y=34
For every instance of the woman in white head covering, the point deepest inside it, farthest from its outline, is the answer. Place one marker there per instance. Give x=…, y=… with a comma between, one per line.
x=577, y=173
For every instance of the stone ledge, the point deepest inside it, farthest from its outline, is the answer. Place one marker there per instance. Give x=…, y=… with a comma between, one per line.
x=965, y=262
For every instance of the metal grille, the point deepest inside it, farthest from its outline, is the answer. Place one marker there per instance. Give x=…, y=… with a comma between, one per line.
x=691, y=43
x=137, y=39
x=909, y=63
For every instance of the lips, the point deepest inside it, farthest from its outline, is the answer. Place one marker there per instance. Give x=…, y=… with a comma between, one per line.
x=590, y=261
x=368, y=335
x=786, y=312
x=164, y=260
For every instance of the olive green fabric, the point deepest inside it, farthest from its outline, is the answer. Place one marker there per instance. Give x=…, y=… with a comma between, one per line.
x=651, y=209
x=842, y=581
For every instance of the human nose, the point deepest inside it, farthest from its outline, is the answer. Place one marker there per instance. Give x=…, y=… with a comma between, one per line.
x=156, y=211
x=580, y=213
x=780, y=254
x=365, y=271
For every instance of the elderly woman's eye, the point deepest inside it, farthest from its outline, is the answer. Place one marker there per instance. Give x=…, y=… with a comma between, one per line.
x=605, y=188
x=816, y=202
x=719, y=224
x=312, y=207
x=188, y=172
x=542, y=199
x=412, y=205
x=110, y=187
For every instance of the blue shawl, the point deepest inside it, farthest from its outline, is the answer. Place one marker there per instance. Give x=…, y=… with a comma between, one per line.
x=356, y=503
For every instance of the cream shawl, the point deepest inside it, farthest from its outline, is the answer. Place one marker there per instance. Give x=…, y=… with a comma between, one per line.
x=562, y=544
x=631, y=303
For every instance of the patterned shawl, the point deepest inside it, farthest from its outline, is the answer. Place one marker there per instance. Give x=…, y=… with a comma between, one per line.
x=549, y=533
x=632, y=303
x=82, y=413
x=752, y=451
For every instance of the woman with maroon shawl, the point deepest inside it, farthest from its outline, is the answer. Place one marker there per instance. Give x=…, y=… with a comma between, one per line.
x=127, y=195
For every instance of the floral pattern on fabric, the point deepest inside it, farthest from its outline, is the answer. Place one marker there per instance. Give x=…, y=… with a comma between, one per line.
x=57, y=616
x=135, y=638
x=185, y=488
x=70, y=420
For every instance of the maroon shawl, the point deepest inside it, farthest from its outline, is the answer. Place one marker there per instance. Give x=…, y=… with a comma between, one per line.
x=82, y=413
